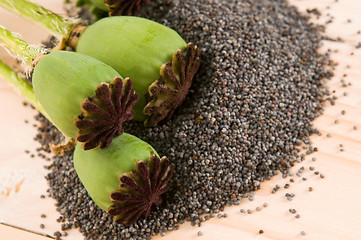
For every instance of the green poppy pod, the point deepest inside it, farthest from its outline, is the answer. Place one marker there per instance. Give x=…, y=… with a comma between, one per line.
x=125, y=179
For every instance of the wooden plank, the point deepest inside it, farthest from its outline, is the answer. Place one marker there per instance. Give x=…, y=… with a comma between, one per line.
x=16, y=233
x=330, y=211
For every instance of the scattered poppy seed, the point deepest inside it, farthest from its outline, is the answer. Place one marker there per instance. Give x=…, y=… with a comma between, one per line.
x=42, y=226
x=232, y=51
x=310, y=189
x=265, y=204
x=303, y=233
x=199, y=233
x=43, y=216
x=260, y=231
x=297, y=215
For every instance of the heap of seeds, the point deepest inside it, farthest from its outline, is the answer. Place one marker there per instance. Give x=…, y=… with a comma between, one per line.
x=260, y=85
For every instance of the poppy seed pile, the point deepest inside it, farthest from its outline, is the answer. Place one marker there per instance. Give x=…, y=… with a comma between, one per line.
x=260, y=85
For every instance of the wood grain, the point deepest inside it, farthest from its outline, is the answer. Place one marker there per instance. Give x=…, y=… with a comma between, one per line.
x=331, y=211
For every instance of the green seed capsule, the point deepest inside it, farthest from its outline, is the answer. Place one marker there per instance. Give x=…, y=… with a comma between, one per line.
x=62, y=80
x=135, y=47
x=99, y=169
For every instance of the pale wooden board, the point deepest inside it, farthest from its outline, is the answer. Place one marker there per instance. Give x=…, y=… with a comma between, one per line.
x=331, y=211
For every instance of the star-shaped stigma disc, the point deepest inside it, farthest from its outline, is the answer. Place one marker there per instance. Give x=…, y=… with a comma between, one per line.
x=168, y=92
x=140, y=190
x=103, y=115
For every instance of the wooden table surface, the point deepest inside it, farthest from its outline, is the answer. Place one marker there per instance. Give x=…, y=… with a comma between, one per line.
x=331, y=211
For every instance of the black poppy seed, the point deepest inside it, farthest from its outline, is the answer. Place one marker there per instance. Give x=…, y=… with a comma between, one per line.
x=316, y=172
x=199, y=233
x=242, y=210
x=265, y=204
x=42, y=226
x=260, y=231
x=43, y=216
x=322, y=176
x=258, y=209
x=343, y=112
x=297, y=215
x=310, y=189
x=249, y=211
x=292, y=210
x=303, y=233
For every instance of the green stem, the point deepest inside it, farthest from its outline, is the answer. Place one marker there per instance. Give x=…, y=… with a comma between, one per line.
x=54, y=23
x=21, y=86
x=15, y=44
